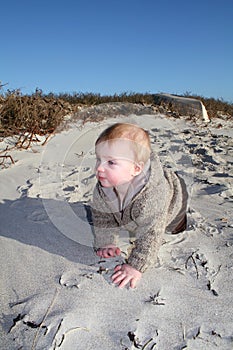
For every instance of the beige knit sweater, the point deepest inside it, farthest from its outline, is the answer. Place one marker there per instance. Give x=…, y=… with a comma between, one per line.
x=146, y=216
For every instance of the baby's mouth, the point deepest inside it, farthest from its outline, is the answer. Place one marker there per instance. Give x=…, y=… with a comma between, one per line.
x=100, y=178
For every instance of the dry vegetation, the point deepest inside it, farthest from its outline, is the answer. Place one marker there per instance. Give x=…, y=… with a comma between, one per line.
x=27, y=116
x=35, y=114
x=41, y=114
x=215, y=107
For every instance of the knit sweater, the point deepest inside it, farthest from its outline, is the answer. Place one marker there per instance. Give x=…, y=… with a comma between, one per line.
x=153, y=209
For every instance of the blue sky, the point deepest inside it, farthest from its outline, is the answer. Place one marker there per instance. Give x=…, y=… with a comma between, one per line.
x=109, y=47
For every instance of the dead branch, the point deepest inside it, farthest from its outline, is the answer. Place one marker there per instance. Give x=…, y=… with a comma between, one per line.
x=4, y=158
x=194, y=262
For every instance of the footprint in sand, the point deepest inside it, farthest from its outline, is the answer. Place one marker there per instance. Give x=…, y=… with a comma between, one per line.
x=23, y=190
x=198, y=265
x=87, y=180
x=199, y=336
x=69, y=280
x=38, y=216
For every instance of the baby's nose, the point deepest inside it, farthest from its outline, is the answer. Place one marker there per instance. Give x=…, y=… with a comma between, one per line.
x=100, y=167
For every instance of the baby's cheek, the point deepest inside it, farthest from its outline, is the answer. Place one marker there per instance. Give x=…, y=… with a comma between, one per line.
x=114, y=179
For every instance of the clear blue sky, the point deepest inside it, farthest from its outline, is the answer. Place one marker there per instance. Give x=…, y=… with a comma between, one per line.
x=118, y=46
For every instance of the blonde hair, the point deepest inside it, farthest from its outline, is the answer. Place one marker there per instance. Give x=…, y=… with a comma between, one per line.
x=139, y=137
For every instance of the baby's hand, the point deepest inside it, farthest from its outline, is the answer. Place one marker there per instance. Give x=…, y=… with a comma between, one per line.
x=109, y=251
x=126, y=274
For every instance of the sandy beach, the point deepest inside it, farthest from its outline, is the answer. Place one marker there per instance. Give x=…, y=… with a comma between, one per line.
x=57, y=294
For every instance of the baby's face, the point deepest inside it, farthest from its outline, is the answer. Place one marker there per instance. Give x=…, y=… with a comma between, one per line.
x=115, y=164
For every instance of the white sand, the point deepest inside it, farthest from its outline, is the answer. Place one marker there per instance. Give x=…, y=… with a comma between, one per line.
x=56, y=294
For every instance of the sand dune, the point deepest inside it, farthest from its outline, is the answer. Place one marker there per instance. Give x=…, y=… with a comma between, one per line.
x=56, y=294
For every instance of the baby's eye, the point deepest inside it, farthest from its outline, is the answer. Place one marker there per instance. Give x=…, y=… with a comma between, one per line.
x=111, y=162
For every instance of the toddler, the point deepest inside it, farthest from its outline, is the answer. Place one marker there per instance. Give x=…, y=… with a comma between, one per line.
x=136, y=193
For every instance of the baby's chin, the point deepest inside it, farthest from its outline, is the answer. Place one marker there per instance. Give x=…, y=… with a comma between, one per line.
x=105, y=183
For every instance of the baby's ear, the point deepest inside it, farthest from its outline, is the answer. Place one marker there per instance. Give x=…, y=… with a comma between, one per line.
x=138, y=167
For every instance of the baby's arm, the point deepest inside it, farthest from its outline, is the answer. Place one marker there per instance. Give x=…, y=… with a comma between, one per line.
x=106, y=229
x=146, y=247
x=108, y=251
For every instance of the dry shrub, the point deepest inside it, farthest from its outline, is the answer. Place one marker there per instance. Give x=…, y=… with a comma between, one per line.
x=35, y=114
x=215, y=107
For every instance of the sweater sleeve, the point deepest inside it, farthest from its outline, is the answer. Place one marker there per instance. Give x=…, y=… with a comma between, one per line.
x=148, y=241
x=106, y=228
x=150, y=213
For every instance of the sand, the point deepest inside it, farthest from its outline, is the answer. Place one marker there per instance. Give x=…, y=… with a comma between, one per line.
x=55, y=292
